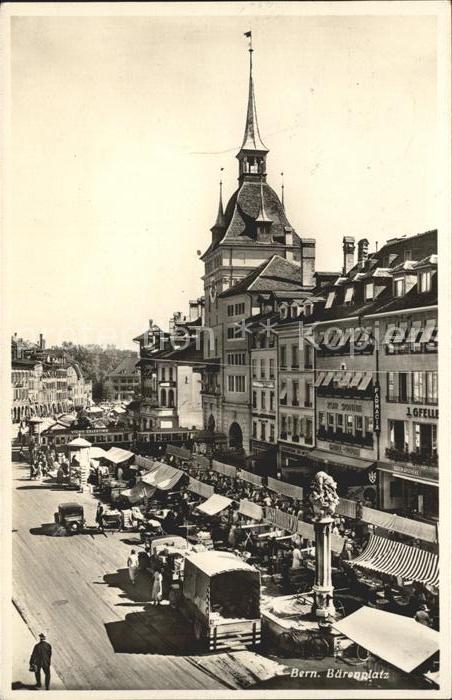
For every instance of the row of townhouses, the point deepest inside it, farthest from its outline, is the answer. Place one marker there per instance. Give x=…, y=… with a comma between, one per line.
x=44, y=383
x=303, y=369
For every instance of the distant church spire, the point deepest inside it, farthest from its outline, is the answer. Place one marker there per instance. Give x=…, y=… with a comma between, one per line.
x=282, y=190
x=253, y=151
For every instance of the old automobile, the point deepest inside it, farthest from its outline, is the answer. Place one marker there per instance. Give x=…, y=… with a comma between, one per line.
x=71, y=517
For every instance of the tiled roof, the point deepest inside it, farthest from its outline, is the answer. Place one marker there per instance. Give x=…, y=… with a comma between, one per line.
x=242, y=211
x=275, y=274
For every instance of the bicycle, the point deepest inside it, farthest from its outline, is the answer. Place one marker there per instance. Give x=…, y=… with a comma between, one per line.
x=309, y=644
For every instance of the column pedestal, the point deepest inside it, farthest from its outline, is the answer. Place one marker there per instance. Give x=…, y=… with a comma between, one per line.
x=323, y=587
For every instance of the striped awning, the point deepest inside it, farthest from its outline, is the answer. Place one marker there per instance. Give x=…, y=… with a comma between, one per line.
x=397, y=559
x=320, y=378
x=429, y=332
x=365, y=381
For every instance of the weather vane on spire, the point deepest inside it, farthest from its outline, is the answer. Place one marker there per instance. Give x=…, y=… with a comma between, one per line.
x=249, y=36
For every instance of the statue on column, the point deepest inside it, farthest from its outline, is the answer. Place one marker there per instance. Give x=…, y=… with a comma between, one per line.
x=324, y=500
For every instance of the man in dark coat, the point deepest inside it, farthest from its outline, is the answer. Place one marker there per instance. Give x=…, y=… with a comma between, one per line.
x=40, y=659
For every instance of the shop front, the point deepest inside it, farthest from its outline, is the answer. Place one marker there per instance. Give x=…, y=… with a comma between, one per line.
x=356, y=478
x=409, y=489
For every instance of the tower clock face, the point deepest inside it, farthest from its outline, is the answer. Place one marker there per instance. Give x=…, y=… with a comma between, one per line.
x=212, y=293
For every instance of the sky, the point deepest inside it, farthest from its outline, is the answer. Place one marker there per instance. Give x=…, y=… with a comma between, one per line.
x=120, y=125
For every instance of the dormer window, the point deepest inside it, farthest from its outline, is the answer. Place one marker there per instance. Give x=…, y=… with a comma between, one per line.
x=283, y=311
x=369, y=291
x=330, y=300
x=399, y=287
x=308, y=309
x=348, y=297
x=425, y=281
x=294, y=310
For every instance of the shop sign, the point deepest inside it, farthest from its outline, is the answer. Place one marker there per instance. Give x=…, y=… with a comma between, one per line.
x=372, y=476
x=377, y=408
x=343, y=406
x=420, y=471
x=345, y=449
x=421, y=412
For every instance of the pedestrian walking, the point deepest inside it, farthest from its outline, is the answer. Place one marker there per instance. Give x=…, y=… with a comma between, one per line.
x=40, y=659
x=100, y=516
x=133, y=564
x=157, y=588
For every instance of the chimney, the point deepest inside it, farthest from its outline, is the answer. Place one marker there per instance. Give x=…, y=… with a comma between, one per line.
x=307, y=262
x=42, y=342
x=348, y=247
x=288, y=242
x=363, y=252
x=151, y=323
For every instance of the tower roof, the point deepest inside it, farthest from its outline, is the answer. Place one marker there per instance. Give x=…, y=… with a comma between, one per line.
x=252, y=139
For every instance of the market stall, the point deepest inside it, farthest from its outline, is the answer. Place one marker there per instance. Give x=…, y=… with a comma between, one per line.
x=401, y=641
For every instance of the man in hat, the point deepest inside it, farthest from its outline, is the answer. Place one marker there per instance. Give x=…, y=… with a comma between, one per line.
x=40, y=659
x=422, y=616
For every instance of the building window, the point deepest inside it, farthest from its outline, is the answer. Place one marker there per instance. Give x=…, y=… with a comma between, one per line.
x=308, y=434
x=392, y=394
x=231, y=332
x=163, y=397
x=330, y=300
x=263, y=431
x=322, y=419
x=170, y=374
x=283, y=356
x=425, y=281
x=254, y=369
x=418, y=388
x=399, y=287
x=272, y=401
x=349, y=424
x=398, y=435
x=358, y=424
x=272, y=432
x=295, y=393
x=339, y=423
x=263, y=407
x=330, y=418
x=283, y=427
x=272, y=368
x=262, y=368
x=308, y=395
x=348, y=297
x=240, y=309
x=230, y=309
x=369, y=291
x=295, y=364
x=283, y=393
x=171, y=398
x=308, y=357
x=296, y=431
x=254, y=429
x=407, y=255
x=425, y=440
x=432, y=387
x=163, y=374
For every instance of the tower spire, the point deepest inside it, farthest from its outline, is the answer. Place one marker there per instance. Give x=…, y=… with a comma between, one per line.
x=282, y=190
x=220, y=222
x=253, y=151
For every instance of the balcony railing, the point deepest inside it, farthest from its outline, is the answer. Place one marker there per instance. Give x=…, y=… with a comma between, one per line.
x=345, y=438
x=405, y=398
x=421, y=458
